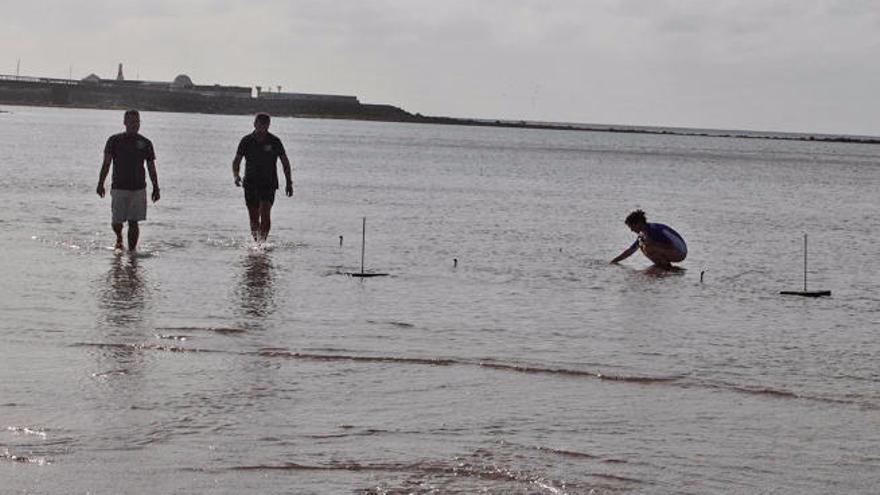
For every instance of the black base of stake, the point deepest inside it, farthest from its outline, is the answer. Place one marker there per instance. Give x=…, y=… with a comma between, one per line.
x=806, y=293
x=367, y=275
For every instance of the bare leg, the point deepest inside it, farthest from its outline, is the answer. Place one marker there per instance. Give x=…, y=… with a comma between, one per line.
x=134, y=232
x=254, y=214
x=117, y=229
x=265, y=219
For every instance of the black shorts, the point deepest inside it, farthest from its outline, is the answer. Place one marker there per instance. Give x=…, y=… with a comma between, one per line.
x=253, y=196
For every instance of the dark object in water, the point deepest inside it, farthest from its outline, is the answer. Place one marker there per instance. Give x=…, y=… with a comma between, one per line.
x=806, y=293
x=368, y=275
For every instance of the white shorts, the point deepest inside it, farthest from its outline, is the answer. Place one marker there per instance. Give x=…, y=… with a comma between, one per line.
x=128, y=206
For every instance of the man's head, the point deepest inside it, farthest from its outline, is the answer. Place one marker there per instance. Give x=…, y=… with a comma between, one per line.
x=636, y=221
x=132, y=121
x=261, y=123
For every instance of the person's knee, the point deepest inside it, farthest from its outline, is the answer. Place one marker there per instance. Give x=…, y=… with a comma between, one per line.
x=655, y=253
x=265, y=209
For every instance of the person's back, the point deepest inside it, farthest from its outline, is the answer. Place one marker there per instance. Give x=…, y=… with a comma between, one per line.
x=663, y=234
x=261, y=155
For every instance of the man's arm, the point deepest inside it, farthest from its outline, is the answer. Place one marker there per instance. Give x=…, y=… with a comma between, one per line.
x=105, y=169
x=154, y=178
x=626, y=254
x=288, y=174
x=236, y=169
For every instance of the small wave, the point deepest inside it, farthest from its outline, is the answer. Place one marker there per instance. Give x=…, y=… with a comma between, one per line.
x=786, y=394
x=27, y=431
x=362, y=433
x=220, y=330
x=614, y=477
x=23, y=459
x=401, y=324
x=674, y=381
x=225, y=243
x=580, y=373
x=567, y=453
x=250, y=245
x=457, y=469
x=360, y=359
x=462, y=471
x=105, y=374
x=143, y=347
x=142, y=254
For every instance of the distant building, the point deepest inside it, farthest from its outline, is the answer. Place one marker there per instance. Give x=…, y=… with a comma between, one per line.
x=182, y=95
x=182, y=82
x=306, y=97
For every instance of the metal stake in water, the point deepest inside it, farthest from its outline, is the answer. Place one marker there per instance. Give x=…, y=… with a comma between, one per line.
x=805, y=262
x=805, y=292
x=363, y=242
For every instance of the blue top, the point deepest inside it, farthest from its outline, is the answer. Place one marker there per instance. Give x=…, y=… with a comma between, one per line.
x=661, y=233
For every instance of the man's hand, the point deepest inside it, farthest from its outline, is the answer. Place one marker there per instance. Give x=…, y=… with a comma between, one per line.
x=155, y=194
x=237, y=181
x=289, y=189
x=100, y=190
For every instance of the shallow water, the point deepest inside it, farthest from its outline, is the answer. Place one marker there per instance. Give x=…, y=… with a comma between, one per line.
x=207, y=365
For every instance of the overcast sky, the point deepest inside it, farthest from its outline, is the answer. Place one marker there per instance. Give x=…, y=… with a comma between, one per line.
x=787, y=65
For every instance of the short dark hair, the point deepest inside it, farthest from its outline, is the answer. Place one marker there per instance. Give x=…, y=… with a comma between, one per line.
x=262, y=118
x=636, y=217
x=132, y=113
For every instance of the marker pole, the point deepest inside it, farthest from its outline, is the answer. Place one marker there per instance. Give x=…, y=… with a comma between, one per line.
x=364, y=242
x=805, y=262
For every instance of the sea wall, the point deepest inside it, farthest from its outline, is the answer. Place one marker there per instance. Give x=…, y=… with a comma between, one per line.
x=88, y=95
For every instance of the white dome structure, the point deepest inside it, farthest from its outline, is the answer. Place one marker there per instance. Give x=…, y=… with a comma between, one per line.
x=182, y=81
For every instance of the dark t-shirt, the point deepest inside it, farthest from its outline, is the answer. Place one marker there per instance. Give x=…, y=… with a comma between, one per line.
x=129, y=152
x=261, y=158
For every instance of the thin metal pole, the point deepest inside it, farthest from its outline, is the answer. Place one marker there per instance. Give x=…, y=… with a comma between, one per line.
x=364, y=242
x=805, y=262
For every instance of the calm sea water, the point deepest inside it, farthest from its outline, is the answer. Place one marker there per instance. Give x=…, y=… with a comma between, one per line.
x=204, y=365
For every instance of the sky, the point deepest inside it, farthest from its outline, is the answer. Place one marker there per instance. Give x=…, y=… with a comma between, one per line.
x=772, y=65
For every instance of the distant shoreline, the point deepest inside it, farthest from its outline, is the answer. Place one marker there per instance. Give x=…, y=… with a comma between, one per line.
x=671, y=131
x=405, y=117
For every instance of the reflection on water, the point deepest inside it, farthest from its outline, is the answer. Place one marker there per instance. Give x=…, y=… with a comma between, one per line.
x=123, y=296
x=256, y=290
x=123, y=299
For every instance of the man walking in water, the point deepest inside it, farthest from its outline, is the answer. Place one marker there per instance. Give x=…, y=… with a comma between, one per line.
x=660, y=243
x=128, y=151
x=261, y=151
